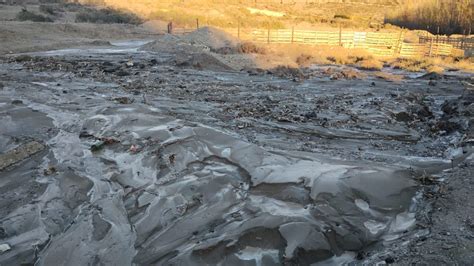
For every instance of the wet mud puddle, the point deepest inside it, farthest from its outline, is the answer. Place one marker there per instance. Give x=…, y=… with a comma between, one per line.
x=171, y=166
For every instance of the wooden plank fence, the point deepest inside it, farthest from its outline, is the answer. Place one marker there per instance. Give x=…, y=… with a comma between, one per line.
x=465, y=43
x=384, y=44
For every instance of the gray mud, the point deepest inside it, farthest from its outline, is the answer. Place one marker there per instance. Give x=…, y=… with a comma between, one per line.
x=147, y=160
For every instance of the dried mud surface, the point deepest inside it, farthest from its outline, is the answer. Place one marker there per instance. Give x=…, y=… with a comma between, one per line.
x=167, y=157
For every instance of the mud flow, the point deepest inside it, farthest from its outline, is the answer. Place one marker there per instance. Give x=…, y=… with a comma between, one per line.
x=119, y=156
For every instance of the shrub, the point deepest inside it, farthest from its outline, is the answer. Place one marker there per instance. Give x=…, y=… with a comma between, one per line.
x=435, y=69
x=410, y=64
x=47, y=9
x=370, y=64
x=25, y=15
x=304, y=60
x=452, y=16
x=107, y=16
x=251, y=48
x=341, y=16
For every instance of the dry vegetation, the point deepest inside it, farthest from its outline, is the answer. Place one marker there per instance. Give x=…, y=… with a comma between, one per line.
x=107, y=16
x=230, y=13
x=304, y=56
x=25, y=15
x=452, y=16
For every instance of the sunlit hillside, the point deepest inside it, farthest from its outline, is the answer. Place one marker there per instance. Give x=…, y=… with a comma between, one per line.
x=268, y=13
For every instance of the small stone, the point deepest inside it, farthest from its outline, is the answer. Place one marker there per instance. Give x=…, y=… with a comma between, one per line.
x=389, y=260
x=4, y=248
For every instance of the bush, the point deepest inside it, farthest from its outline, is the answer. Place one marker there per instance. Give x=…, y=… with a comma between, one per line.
x=107, y=16
x=251, y=48
x=26, y=15
x=452, y=16
x=341, y=16
x=410, y=64
x=370, y=64
x=47, y=9
x=304, y=60
x=435, y=69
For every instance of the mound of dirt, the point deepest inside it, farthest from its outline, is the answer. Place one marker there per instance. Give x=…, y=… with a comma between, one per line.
x=167, y=43
x=202, y=61
x=213, y=38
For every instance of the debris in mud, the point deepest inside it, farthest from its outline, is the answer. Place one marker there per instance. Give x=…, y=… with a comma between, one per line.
x=122, y=73
x=123, y=100
x=50, y=170
x=403, y=117
x=97, y=146
x=287, y=72
x=20, y=153
x=346, y=73
x=432, y=76
x=23, y=58
x=427, y=180
x=153, y=191
x=134, y=148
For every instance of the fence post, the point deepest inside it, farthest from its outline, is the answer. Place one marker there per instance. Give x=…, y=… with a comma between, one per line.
x=340, y=35
x=431, y=45
x=197, y=23
x=268, y=36
x=292, y=34
x=437, y=35
x=399, y=44
x=238, y=29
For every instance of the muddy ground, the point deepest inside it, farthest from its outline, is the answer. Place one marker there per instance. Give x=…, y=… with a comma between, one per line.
x=122, y=154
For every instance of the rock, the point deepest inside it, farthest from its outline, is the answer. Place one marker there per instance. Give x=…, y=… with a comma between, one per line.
x=23, y=58
x=389, y=260
x=122, y=73
x=123, y=100
x=432, y=76
x=20, y=153
x=403, y=117
x=3, y=234
x=4, y=248
x=447, y=126
x=50, y=170
x=110, y=69
x=17, y=102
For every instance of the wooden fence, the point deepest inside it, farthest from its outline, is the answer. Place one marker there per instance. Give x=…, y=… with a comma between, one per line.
x=385, y=44
x=465, y=43
x=378, y=43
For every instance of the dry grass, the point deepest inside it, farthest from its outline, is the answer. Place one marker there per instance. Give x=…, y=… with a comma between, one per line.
x=437, y=64
x=451, y=16
x=228, y=13
x=435, y=69
x=251, y=48
x=388, y=76
x=370, y=64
